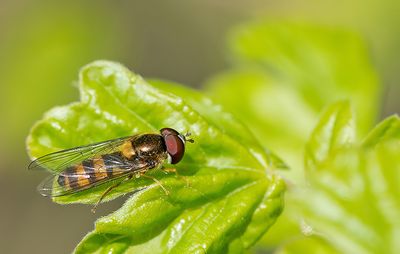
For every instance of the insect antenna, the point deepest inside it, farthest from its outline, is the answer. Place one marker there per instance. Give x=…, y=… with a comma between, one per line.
x=188, y=134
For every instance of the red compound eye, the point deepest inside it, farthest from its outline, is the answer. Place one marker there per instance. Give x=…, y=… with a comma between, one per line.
x=174, y=144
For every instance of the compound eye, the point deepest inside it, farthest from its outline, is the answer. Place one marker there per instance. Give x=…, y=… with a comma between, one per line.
x=168, y=131
x=175, y=147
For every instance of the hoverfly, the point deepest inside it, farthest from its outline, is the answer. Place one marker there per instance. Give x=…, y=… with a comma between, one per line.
x=84, y=167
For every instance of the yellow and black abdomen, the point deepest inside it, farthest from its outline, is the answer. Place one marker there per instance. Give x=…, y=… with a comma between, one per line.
x=141, y=153
x=92, y=170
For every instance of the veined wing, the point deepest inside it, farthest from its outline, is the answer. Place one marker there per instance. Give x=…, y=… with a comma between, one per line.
x=82, y=177
x=59, y=161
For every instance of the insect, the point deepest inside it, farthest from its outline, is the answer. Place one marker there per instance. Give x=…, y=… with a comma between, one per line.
x=84, y=167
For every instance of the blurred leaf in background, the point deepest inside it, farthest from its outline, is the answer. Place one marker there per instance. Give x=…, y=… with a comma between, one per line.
x=227, y=195
x=350, y=204
x=41, y=51
x=283, y=75
x=42, y=46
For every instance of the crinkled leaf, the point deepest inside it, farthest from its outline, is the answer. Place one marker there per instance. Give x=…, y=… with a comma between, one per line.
x=189, y=230
x=334, y=131
x=226, y=191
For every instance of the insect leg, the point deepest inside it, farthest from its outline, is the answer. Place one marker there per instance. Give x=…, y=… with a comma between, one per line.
x=106, y=192
x=173, y=170
x=158, y=182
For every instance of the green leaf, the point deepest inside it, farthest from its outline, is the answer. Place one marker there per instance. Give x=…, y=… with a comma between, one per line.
x=351, y=199
x=193, y=230
x=322, y=63
x=386, y=130
x=309, y=245
x=285, y=73
x=334, y=131
x=358, y=189
x=226, y=190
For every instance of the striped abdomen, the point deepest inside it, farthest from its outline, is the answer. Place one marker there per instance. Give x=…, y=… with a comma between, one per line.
x=140, y=153
x=93, y=170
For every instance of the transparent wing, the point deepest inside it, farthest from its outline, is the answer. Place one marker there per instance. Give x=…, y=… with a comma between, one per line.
x=59, y=161
x=68, y=182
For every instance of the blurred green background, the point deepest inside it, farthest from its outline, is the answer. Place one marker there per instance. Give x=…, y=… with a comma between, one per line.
x=43, y=44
